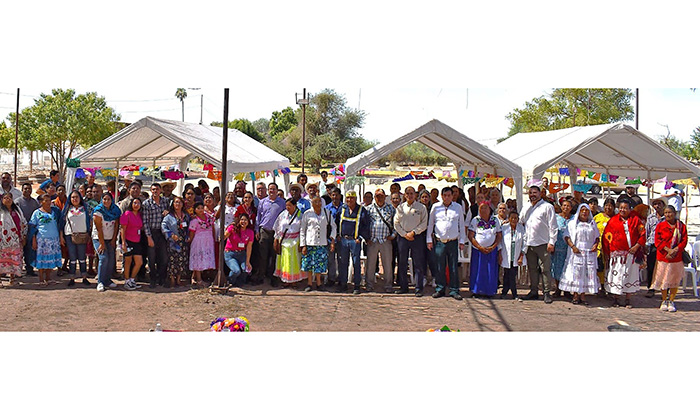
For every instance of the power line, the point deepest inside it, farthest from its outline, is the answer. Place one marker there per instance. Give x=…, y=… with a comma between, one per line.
x=142, y=100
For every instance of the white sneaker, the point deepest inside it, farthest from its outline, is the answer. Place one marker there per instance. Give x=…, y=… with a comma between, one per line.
x=100, y=287
x=671, y=306
x=664, y=305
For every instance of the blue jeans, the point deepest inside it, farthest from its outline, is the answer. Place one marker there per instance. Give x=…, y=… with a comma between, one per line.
x=417, y=249
x=347, y=247
x=235, y=261
x=446, y=256
x=107, y=262
x=76, y=252
x=29, y=256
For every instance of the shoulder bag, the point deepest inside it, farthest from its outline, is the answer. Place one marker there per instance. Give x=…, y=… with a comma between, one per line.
x=277, y=244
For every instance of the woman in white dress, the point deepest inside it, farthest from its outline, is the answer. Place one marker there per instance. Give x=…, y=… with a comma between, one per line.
x=582, y=236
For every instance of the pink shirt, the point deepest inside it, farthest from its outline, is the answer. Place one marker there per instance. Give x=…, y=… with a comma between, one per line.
x=238, y=240
x=133, y=226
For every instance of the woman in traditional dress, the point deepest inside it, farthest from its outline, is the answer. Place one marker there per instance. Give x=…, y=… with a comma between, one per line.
x=211, y=211
x=287, y=228
x=560, y=247
x=601, y=220
x=43, y=227
x=13, y=237
x=174, y=227
x=316, y=225
x=76, y=219
x=670, y=240
x=201, y=244
x=579, y=275
x=485, y=236
x=623, y=239
x=104, y=239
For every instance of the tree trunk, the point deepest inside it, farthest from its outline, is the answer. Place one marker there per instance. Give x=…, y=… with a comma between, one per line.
x=183, y=110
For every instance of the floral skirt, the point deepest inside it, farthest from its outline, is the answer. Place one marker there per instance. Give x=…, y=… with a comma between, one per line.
x=178, y=261
x=11, y=261
x=48, y=254
x=315, y=260
x=288, y=266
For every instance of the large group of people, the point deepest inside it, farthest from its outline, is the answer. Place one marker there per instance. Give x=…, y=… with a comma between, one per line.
x=315, y=238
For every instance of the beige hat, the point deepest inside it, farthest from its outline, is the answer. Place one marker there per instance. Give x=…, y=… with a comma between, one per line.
x=296, y=185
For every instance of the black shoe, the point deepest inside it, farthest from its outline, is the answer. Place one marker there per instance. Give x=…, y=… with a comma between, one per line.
x=557, y=293
x=356, y=292
x=547, y=298
x=71, y=283
x=401, y=292
x=273, y=282
x=86, y=282
x=650, y=293
x=531, y=296
x=438, y=294
x=152, y=284
x=341, y=288
x=456, y=295
x=419, y=293
x=320, y=288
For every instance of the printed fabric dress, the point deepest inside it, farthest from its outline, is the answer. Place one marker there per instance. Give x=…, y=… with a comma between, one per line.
x=288, y=266
x=178, y=251
x=580, y=271
x=48, y=252
x=560, y=249
x=202, y=247
x=13, y=228
x=619, y=236
x=669, y=272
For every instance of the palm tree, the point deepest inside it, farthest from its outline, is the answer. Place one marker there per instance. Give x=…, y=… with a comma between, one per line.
x=181, y=94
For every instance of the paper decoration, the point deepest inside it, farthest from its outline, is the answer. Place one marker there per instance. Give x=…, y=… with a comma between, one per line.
x=685, y=181
x=493, y=182
x=173, y=175
x=614, y=178
x=564, y=171
x=252, y=176
x=583, y=187
x=276, y=172
x=597, y=176
x=208, y=167
x=467, y=181
x=607, y=184
x=404, y=178
x=214, y=174
x=633, y=181
x=109, y=173
x=584, y=173
x=555, y=187
x=510, y=182
x=446, y=173
x=79, y=173
x=534, y=182
x=604, y=177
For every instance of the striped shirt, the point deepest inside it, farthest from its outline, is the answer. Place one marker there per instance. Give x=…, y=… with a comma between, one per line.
x=152, y=214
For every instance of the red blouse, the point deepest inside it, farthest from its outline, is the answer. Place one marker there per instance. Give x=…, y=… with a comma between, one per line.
x=664, y=237
x=251, y=212
x=614, y=237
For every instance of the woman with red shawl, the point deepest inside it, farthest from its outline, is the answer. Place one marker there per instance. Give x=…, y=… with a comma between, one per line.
x=623, y=239
x=670, y=239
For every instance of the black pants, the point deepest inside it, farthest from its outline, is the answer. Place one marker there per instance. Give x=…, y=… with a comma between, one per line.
x=268, y=258
x=509, y=276
x=651, y=264
x=158, y=258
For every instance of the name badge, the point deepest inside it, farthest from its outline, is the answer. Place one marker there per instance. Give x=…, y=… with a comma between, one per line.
x=183, y=224
x=241, y=245
x=138, y=232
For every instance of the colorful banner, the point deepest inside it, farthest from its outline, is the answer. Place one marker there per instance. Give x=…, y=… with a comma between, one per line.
x=583, y=187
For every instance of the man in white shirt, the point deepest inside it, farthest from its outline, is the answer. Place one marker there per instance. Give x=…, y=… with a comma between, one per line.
x=6, y=186
x=540, y=224
x=674, y=197
x=446, y=236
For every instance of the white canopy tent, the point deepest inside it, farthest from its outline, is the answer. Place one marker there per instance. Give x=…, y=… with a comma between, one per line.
x=156, y=142
x=465, y=153
x=616, y=149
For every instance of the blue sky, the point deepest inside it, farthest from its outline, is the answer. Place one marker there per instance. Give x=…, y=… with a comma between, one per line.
x=479, y=113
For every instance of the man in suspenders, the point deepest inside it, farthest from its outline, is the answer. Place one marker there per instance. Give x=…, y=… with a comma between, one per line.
x=353, y=227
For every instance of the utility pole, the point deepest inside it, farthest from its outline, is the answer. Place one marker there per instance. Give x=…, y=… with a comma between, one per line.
x=303, y=102
x=636, y=109
x=17, y=135
x=201, y=105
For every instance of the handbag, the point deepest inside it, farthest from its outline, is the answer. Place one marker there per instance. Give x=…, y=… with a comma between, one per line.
x=78, y=238
x=277, y=244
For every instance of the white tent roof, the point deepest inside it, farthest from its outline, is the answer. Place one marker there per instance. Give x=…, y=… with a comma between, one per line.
x=461, y=150
x=152, y=141
x=617, y=149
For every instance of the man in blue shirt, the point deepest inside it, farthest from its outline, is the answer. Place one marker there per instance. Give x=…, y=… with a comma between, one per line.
x=53, y=179
x=353, y=227
x=334, y=207
x=268, y=211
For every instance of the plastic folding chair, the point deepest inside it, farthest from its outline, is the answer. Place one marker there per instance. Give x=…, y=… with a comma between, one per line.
x=692, y=271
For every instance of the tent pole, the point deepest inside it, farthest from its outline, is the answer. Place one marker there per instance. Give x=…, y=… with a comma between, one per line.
x=649, y=189
x=153, y=174
x=221, y=278
x=116, y=184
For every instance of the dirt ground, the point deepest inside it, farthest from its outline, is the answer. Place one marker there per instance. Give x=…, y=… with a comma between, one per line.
x=82, y=308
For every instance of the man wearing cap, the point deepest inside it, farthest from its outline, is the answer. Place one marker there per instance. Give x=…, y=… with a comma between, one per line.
x=411, y=222
x=656, y=216
x=302, y=203
x=674, y=197
x=630, y=194
x=382, y=233
x=270, y=207
x=353, y=227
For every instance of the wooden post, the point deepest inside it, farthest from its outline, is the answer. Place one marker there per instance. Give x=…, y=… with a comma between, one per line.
x=17, y=135
x=221, y=281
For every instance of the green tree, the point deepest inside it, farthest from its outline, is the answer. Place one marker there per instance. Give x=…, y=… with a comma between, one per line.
x=694, y=146
x=244, y=126
x=282, y=121
x=7, y=136
x=565, y=108
x=263, y=127
x=181, y=94
x=61, y=121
